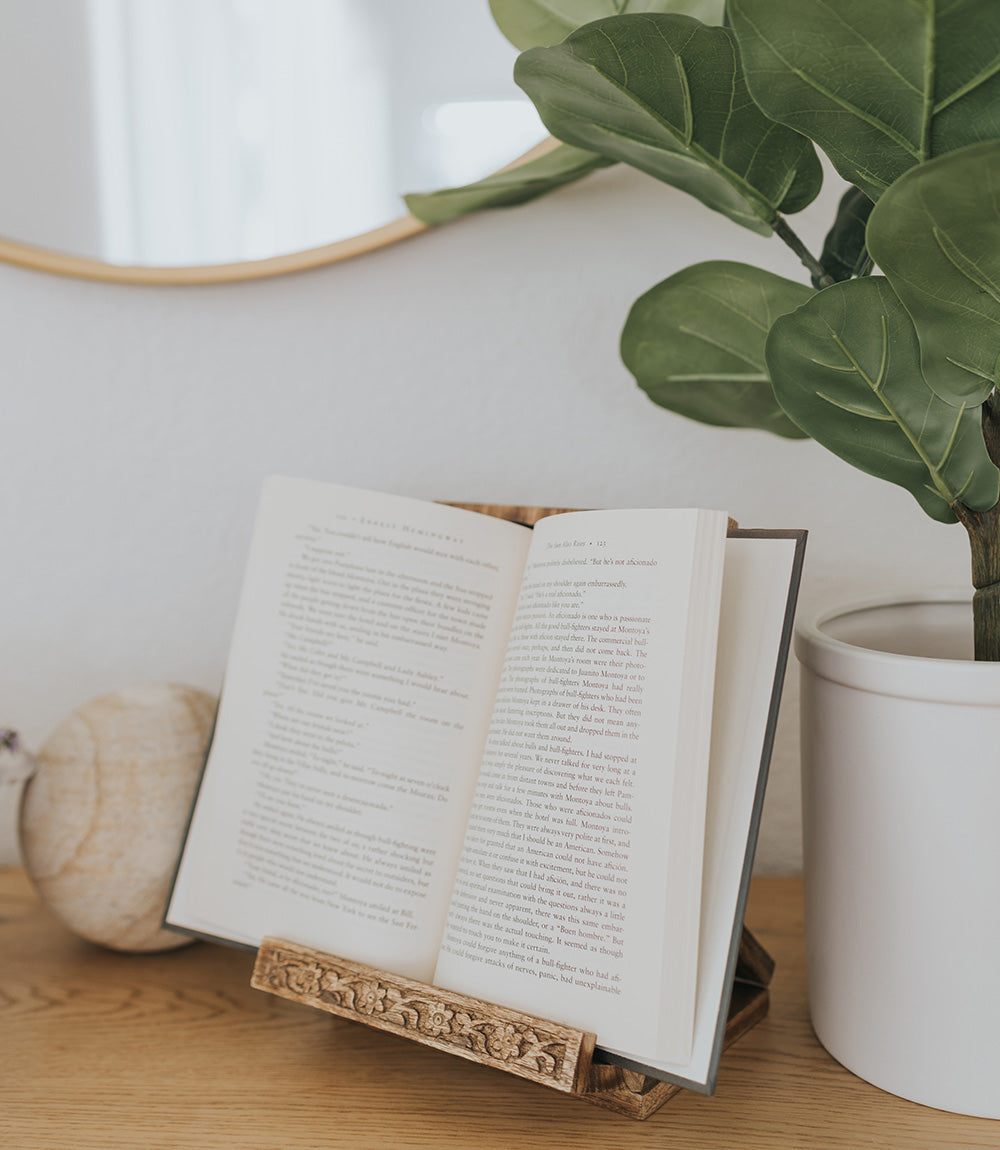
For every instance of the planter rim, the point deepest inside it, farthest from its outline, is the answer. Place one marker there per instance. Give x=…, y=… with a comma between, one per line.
x=918, y=677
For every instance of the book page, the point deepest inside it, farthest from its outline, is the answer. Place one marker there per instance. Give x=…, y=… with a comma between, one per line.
x=757, y=606
x=579, y=887
x=366, y=653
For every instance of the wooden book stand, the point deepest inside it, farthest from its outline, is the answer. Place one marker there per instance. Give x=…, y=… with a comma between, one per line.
x=556, y=1056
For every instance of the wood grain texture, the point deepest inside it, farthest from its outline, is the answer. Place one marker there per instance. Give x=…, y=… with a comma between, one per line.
x=638, y=1096
x=503, y=1039
x=82, y=267
x=529, y=516
x=628, y=1092
x=548, y=1053
x=105, y=1051
x=753, y=963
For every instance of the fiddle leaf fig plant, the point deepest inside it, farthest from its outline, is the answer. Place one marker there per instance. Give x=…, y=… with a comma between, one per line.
x=540, y=23
x=880, y=85
x=556, y=166
x=936, y=235
x=846, y=367
x=695, y=344
x=667, y=95
x=888, y=355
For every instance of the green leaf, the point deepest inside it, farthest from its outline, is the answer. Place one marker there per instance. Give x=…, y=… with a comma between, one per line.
x=880, y=85
x=936, y=235
x=540, y=23
x=666, y=95
x=695, y=344
x=846, y=368
x=845, y=253
x=517, y=185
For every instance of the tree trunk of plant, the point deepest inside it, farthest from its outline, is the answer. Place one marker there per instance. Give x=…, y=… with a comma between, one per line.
x=984, y=539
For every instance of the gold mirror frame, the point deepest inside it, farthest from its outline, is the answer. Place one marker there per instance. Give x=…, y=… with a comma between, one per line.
x=83, y=267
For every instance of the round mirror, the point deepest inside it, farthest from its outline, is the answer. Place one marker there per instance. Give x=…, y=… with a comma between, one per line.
x=180, y=140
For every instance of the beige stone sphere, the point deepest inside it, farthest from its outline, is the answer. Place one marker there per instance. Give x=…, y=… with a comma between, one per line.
x=102, y=819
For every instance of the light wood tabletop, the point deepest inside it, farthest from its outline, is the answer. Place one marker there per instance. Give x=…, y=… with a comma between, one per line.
x=104, y=1050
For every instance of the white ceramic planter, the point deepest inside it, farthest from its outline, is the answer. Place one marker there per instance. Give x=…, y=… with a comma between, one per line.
x=901, y=811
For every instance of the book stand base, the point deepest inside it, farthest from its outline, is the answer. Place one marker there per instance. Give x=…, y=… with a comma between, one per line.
x=556, y=1056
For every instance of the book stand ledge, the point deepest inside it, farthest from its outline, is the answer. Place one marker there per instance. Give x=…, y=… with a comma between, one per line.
x=556, y=1056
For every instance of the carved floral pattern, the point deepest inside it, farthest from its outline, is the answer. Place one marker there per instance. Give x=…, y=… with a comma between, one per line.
x=438, y=1019
x=305, y=978
x=368, y=997
x=504, y=1043
x=411, y=1008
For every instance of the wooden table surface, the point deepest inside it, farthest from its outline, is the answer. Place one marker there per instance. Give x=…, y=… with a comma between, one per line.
x=102, y=1050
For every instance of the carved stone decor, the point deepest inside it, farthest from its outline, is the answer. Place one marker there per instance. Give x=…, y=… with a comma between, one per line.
x=557, y=1056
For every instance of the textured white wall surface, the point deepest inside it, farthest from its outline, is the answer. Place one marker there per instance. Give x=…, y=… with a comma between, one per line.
x=477, y=362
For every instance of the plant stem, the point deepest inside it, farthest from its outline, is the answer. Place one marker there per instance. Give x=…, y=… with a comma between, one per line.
x=807, y=259
x=983, y=528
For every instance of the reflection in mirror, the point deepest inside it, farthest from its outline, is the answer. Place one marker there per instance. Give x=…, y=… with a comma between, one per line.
x=191, y=132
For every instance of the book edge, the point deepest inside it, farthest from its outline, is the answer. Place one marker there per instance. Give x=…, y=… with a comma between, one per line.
x=707, y=1086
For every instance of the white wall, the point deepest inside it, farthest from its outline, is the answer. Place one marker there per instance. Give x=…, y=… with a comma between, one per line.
x=477, y=362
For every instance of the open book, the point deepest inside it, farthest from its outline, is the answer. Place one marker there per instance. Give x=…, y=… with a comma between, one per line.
x=484, y=756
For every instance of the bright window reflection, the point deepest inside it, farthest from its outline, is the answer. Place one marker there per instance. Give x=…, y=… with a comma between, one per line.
x=229, y=130
x=470, y=137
